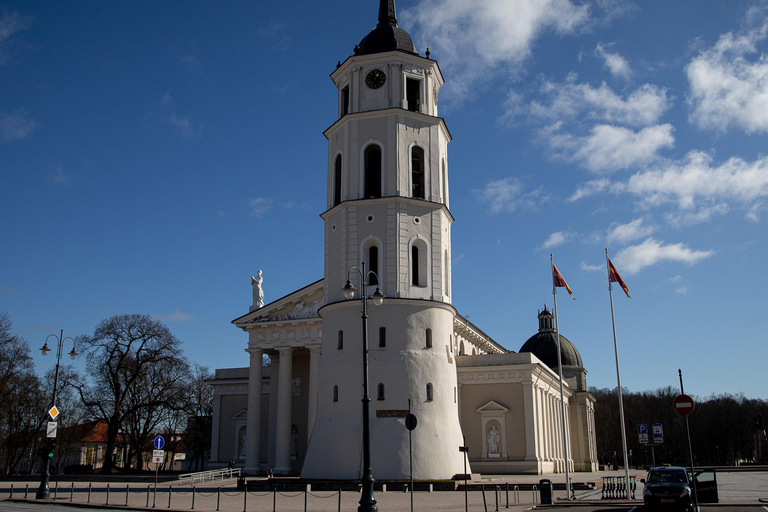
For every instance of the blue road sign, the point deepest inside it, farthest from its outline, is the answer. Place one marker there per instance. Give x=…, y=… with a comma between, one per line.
x=158, y=443
x=642, y=428
x=658, y=431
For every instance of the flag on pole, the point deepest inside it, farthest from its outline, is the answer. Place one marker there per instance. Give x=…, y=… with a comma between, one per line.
x=558, y=281
x=614, y=277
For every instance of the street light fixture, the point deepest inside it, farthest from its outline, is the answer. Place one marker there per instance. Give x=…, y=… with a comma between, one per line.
x=367, y=501
x=43, y=492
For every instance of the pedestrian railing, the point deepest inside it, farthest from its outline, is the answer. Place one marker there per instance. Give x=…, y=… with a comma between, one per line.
x=209, y=476
x=616, y=488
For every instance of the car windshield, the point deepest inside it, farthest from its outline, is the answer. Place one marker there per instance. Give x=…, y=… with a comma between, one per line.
x=667, y=477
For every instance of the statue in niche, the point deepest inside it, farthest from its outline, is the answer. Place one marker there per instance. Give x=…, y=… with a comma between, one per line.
x=258, y=291
x=294, y=442
x=241, y=442
x=493, y=439
x=296, y=383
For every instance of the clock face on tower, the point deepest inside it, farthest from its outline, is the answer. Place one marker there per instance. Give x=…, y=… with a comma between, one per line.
x=375, y=78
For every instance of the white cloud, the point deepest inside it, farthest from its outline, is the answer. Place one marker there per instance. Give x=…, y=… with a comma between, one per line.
x=590, y=188
x=276, y=34
x=644, y=106
x=696, y=185
x=260, y=206
x=616, y=64
x=474, y=39
x=508, y=195
x=11, y=23
x=586, y=267
x=677, y=283
x=729, y=82
x=623, y=233
x=183, y=126
x=555, y=239
x=61, y=178
x=635, y=258
x=610, y=148
x=16, y=126
x=167, y=99
x=177, y=316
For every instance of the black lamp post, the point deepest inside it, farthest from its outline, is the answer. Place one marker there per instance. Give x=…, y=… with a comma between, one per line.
x=367, y=501
x=43, y=492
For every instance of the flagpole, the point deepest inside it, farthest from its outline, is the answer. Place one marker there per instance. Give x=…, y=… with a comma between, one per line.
x=560, y=374
x=618, y=375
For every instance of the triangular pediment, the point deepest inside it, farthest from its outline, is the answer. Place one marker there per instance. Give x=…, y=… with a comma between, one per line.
x=242, y=415
x=301, y=304
x=492, y=406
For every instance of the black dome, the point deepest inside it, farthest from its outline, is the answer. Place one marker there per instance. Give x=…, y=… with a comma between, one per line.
x=387, y=36
x=544, y=346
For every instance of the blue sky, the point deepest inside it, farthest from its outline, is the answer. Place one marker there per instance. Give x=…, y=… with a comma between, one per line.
x=155, y=155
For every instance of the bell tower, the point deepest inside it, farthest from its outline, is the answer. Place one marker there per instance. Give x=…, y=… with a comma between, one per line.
x=387, y=206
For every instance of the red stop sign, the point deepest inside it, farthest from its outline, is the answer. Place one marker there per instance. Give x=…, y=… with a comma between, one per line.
x=683, y=405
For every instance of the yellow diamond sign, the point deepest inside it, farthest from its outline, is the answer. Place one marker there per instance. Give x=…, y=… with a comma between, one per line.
x=53, y=412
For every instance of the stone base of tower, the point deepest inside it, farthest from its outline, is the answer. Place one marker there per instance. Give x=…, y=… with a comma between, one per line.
x=412, y=360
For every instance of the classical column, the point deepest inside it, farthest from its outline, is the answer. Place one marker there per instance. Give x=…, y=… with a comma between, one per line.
x=253, y=421
x=530, y=424
x=283, y=427
x=314, y=366
x=215, y=427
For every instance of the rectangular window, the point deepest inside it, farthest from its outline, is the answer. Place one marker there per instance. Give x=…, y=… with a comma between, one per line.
x=382, y=336
x=429, y=338
x=413, y=93
x=340, y=344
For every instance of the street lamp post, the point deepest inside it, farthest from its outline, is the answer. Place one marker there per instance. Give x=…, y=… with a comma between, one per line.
x=43, y=492
x=367, y=501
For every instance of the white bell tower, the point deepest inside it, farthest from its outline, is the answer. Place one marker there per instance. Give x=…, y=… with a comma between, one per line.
x=387, y=203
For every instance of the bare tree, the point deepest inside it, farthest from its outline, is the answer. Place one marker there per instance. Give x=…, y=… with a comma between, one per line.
x=22, y=407
x=120, y=356
x=200, y=409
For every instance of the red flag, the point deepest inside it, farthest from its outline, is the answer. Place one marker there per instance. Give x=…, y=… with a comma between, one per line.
x=614, y=277
x=558, y=281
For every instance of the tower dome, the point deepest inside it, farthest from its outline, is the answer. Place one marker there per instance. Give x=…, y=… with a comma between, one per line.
x=387, y=36
x=543, y=344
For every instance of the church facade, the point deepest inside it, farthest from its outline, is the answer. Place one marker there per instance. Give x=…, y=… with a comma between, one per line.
x=388, y=214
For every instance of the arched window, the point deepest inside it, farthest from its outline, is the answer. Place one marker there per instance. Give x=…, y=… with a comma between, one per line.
x=429, y=392
x=340, y=344
x=337, y=181
x=414, y=265
x=372, y=171
x=419, y=256
x=417, y=173
x=429, y=338
x=335, y=393
x=373, y=265
x=382, y=336
x=380, y=392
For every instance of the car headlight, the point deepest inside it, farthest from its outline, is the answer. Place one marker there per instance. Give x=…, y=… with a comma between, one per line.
x=647, y=492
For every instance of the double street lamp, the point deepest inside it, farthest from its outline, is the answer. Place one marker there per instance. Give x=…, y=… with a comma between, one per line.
x=43, y=491
x=367, y=501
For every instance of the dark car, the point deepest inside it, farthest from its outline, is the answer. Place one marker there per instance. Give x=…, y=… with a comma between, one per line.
x=667, y=487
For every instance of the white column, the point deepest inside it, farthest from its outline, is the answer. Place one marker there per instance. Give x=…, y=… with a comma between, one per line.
x=314, y=366
x=283, y=427
x=215, y=427
x=253, y=420
x=529, y=399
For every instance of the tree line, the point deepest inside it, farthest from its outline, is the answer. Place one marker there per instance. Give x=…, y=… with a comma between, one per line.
x=136, y=380
x=725, y=428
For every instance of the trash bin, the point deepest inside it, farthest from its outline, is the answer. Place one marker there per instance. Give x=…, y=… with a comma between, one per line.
x=241, y=483
x=545, y=487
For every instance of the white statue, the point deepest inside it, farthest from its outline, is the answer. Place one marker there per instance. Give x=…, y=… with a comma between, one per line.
x=493, y=441
x=241, y=454
x=258, y=291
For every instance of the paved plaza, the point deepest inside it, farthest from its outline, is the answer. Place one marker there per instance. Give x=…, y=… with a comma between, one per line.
x=739, y=488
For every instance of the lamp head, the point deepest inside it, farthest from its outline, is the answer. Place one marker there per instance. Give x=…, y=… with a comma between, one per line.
x=73, y=355
x=45, y=349
x=377, y=297
x=349, y=290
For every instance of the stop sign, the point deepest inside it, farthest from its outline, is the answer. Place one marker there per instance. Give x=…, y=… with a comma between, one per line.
x=683, y=405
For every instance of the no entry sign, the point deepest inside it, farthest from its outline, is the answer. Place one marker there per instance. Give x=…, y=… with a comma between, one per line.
x=683, y=405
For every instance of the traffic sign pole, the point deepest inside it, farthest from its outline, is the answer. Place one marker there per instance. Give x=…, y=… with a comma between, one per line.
x=690, y=446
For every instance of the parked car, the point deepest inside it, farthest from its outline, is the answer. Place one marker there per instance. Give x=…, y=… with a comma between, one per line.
x=667, y=487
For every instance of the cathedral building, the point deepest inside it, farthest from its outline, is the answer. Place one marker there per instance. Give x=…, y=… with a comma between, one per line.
x=388, y=214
